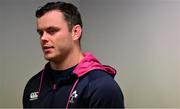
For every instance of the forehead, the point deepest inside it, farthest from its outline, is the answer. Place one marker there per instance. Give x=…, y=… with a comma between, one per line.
x=51, y=18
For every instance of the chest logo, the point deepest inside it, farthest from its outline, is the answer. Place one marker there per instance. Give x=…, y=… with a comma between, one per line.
x=33, y=96
x=73, y=96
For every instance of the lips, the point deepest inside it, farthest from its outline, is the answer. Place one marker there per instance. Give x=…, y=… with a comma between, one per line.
x=47, y=48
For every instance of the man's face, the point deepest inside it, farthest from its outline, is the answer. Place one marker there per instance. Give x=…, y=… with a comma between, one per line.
x=55, y=38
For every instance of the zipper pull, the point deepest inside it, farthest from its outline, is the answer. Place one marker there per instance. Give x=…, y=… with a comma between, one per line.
x=54, y=86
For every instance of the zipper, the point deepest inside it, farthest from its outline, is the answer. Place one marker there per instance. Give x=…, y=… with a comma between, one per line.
x=54, y=87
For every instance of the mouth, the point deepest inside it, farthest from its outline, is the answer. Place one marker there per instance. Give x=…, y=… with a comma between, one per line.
x=47, y=48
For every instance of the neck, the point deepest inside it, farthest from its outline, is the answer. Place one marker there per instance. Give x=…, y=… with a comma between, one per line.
x=71, y=60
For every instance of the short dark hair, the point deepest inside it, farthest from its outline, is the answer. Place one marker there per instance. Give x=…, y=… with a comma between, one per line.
x=70, y=12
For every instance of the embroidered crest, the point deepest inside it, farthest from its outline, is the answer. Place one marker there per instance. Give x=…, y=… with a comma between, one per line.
x=33, y=96
x=73, y=96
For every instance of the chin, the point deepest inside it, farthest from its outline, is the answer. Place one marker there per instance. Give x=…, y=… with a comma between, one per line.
x=49, y=58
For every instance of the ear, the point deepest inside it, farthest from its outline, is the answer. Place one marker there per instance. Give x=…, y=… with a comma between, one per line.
x=76, y=32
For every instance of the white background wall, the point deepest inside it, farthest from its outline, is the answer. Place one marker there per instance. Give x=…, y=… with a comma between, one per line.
x=140, y=38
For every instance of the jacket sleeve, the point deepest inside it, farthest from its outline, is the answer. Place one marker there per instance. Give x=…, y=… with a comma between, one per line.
x=105, y=93
x=25, y=100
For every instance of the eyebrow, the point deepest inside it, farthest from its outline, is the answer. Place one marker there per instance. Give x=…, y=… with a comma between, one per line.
x=51, y=27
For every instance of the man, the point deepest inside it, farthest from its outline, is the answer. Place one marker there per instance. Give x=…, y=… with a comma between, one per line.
x=71, y=79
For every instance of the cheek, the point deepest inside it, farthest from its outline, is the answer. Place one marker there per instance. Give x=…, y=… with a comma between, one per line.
x=64, y=42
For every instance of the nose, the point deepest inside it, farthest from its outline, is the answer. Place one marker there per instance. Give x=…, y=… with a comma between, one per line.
x=44, y=37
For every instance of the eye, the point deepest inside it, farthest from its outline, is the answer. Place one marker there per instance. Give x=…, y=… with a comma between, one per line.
x=40, y=32
x=52, y=30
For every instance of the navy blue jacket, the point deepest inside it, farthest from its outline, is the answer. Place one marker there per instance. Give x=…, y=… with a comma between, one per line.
x=86, y=85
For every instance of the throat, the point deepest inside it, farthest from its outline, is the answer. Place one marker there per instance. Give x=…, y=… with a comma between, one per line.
x=61, y=67
x=67, y=63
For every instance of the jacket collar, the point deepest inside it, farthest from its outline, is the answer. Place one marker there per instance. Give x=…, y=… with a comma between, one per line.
x=89, y=63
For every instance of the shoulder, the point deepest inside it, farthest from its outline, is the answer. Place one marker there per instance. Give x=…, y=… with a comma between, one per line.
x=103, y=90
x=98, y=74
x=33, y=80
x=102, y=81
x=33, y=83
x=31, y=86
